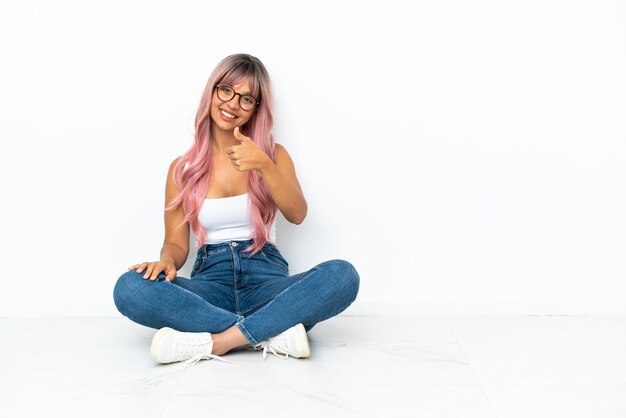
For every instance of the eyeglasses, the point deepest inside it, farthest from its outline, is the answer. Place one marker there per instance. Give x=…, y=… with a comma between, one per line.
x=226, y=93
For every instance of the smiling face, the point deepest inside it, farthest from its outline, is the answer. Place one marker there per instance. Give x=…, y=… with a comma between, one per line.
x=226, y=115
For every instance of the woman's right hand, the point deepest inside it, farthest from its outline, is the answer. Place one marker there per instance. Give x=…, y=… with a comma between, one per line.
x=154, y=268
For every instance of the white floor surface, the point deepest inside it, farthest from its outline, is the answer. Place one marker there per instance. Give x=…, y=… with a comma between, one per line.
x=360, y=366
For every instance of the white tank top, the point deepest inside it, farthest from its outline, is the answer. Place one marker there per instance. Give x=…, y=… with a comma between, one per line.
x=228, y=219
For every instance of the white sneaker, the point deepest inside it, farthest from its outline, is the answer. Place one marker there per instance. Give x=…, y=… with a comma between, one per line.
x=169, y=345
x=293, y=342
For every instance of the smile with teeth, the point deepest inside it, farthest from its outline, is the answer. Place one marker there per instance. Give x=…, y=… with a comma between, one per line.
x=228, y=115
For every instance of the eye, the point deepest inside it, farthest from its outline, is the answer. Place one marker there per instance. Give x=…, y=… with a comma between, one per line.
x=226, y=89
x=249, y=100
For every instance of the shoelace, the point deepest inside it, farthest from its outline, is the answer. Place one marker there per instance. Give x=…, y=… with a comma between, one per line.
x=193, y=347
x=196, y=358
x=273, y=344
x=273, y=352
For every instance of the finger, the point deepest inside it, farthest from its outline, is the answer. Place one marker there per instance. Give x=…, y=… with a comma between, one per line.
x=139, y=267
x=149, y=270
x=171, y=275
x=158, y=268
x=235, y=162
x=241, y=136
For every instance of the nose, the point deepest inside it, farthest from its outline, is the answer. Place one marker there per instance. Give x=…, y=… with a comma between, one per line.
x=233, y=103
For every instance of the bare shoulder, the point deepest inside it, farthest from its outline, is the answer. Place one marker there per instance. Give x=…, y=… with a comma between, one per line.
x=170, y=183
x=286, y=166
x=281, y=155
x=280, y=148
x=174, y=163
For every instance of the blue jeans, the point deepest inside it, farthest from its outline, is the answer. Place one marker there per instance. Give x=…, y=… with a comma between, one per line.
x=229, y=287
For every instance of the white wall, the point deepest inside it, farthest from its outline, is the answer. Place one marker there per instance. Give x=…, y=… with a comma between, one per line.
x=467, y=157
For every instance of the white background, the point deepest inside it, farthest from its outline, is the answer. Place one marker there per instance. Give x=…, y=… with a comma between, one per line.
x=466, y=157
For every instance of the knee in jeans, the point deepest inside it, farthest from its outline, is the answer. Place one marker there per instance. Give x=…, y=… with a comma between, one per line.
x=125, y=287
x=346, y=274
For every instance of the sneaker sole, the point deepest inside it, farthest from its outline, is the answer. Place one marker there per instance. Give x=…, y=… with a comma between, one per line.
x=306, y=351
x=156, y=341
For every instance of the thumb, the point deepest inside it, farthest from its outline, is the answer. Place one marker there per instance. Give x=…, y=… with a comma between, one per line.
x=240, y=136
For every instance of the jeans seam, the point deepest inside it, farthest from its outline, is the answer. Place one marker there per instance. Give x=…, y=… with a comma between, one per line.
x=199, y=298
x=283, y=268
x=241, y=325
x=235, y=293
x=246, y=333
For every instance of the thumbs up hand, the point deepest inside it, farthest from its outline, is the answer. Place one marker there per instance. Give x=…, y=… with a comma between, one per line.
x=247, y=155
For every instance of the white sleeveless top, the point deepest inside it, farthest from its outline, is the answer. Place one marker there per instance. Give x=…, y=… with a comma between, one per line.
x=228, y=219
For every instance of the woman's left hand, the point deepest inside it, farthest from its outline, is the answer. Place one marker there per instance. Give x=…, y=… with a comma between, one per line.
x=246, y=156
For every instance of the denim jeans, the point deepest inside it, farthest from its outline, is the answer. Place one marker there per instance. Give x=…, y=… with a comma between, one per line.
x=229, y=287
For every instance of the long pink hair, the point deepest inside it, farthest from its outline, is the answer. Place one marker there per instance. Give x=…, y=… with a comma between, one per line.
x=192, y=174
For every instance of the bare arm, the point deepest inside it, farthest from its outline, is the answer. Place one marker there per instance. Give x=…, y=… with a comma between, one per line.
x=176, y=243
x=281, y=181
x=279, y=176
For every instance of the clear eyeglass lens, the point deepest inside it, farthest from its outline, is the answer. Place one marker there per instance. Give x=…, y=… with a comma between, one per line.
x=226, y=93
x=247, y=102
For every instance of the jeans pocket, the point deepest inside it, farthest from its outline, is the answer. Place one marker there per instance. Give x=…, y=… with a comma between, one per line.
x=273, y=257
x=197, y=265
